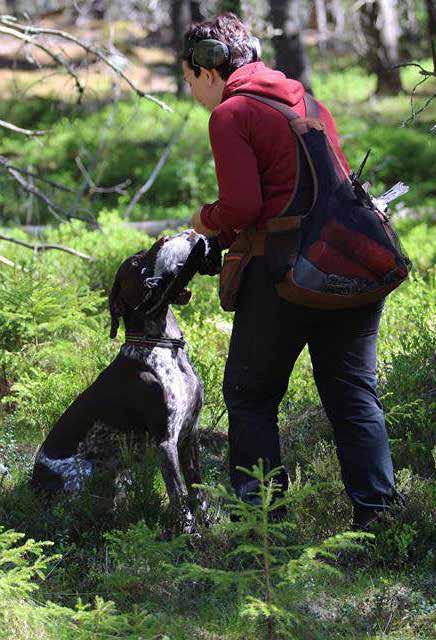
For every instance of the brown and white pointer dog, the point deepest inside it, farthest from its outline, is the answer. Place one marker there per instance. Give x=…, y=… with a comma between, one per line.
x=151, y=385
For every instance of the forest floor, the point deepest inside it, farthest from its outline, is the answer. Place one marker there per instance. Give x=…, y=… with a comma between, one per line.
x=115, y=577
x=27, y=72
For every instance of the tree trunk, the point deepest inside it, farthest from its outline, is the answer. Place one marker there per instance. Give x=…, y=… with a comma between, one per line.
x=338, y=12
x=196, y=14
x=230, y=5
x=431, y=13
x=290, y=56
x=380, y=26
x=179, y=19
x=321, y=19
x=11, y=6
x=411, y=33
x=98, y=9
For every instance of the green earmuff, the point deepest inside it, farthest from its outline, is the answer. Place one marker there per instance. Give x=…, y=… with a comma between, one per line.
x=210, y=53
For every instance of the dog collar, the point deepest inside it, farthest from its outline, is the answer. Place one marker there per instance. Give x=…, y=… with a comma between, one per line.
x=143, y=341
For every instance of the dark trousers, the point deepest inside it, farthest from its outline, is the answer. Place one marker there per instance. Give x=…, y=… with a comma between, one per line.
x=268, y=335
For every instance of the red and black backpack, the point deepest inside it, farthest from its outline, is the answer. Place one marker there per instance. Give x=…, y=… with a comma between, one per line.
x=332, y=247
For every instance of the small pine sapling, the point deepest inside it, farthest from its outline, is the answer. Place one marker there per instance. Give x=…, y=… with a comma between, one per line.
x=273, y=576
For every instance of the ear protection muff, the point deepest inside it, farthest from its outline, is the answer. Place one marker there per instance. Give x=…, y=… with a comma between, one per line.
x=210, y=53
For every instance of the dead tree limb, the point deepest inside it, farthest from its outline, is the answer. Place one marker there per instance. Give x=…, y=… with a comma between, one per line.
x=32, y=174
x=58, y=211
x=46, y=247
x=157, y=169
x=151, y=227
x=7, y=262
x=22, y=35
x=427, y=74
x=26, y=132
x=23, y=32
x=93, y=188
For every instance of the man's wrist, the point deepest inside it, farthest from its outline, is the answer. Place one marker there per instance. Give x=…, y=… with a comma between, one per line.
x=200, y=227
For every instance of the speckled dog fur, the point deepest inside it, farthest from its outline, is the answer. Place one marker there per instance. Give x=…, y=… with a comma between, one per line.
x=148, y=387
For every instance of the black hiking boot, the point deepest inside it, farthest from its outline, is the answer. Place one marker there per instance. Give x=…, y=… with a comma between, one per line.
x=366, y=519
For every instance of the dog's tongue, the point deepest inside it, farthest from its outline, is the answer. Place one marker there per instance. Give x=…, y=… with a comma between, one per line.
x=183, y=297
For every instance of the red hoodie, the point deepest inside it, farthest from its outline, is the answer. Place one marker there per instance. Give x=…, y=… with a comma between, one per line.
x=254, y=149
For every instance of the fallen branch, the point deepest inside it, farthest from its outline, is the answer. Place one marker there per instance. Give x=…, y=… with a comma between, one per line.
x=151, y=227
x=15, y=29
x=7, y=262
x=46, y=247
x=26, y=132
x=157, y=169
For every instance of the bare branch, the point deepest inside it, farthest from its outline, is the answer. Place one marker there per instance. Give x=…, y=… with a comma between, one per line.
x=118, y=188
x=32, y=174
x=433, y=51
x=26, y=132
x=427, y=74
x=151, y=227
x=57, y=210
x=422, y=71
x=16, y=28
x=416, y=112
x=421, y=109
x=157, y=169
x=46, y=247
x=62, y=62
x=93, y=188
x=7, y=262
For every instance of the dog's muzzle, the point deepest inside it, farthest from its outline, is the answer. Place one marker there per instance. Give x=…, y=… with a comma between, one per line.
x=204, y=258
x=140, y=286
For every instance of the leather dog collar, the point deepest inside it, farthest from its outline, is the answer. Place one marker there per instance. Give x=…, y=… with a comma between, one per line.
x=139, y=340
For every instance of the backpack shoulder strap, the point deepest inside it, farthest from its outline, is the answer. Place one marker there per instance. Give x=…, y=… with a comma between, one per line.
x=275, y=104
x=312, y=106
x=305, y=192
x=313, y=111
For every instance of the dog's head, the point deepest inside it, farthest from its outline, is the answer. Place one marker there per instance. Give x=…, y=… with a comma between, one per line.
x=151, y=280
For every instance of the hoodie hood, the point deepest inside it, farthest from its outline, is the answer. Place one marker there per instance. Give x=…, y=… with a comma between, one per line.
x=257, y=78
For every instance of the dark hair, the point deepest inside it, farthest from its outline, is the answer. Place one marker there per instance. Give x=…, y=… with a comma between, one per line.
x=229, y=29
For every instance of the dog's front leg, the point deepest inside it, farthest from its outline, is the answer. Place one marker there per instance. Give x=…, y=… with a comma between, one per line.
x=175, y=485
x=190, y=462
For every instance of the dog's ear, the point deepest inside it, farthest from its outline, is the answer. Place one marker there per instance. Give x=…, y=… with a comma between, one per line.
x=116, y=307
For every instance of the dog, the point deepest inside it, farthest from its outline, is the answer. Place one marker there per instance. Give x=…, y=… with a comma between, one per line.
x=150, y=386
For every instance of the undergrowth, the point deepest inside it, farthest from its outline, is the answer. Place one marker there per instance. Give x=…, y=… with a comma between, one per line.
x=108, y=572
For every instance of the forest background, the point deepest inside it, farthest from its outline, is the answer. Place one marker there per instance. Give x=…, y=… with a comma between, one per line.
x=99, y=143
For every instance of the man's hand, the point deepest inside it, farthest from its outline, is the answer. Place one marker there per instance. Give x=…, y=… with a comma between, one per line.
x=199, y=227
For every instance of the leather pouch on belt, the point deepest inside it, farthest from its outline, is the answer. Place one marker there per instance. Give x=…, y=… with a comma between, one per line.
x=234, y=264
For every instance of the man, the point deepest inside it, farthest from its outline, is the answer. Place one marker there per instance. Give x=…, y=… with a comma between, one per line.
x=255, y=157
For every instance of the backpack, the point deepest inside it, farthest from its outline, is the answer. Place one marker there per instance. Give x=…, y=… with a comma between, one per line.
x=333, y=246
